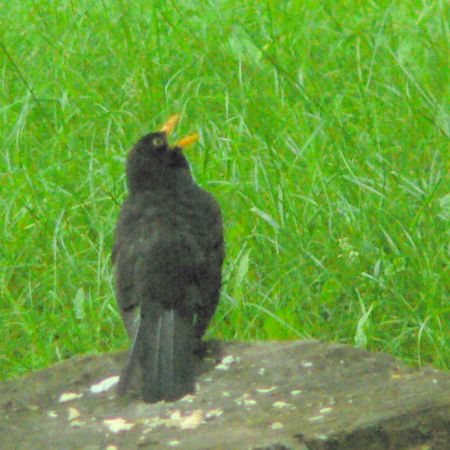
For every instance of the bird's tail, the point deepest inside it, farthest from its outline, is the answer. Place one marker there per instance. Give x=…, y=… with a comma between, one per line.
x=164, y=349
x=167, y=358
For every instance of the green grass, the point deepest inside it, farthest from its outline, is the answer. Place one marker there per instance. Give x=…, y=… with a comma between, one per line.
x=324, y=135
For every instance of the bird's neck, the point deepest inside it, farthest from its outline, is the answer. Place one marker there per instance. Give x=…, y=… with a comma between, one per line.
x=163, y=181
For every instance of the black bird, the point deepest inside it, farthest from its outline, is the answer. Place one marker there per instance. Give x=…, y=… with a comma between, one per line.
x=168, y=253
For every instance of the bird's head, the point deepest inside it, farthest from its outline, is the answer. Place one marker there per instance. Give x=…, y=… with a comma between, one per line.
x=153, y=163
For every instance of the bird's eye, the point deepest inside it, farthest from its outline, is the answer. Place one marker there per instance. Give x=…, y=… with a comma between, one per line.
x=157, y=142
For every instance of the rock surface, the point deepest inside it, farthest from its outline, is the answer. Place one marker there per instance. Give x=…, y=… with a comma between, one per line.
x=266, y=395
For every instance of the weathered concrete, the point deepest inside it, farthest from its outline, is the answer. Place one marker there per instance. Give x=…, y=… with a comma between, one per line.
x=267, y=395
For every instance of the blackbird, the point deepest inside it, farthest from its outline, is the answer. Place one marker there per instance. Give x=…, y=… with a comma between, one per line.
x=168, y=254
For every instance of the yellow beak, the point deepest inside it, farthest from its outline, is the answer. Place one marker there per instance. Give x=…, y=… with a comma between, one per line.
x=188, y=140
x=170, y=125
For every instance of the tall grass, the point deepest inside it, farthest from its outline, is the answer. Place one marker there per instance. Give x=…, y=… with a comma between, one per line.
x=324, y=135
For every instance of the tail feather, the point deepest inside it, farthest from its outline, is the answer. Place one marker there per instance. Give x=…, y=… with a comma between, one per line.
x=165, y=340
x=167, y=357
x=129, y=372
x=164, y=349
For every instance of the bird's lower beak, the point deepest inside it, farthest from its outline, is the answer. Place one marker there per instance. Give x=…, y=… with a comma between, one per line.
x=188, y=140
x=171, y=123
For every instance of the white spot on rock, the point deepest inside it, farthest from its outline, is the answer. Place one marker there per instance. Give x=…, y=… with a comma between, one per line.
x=73, y=413
x=229, y=359
x=104, y=385
x=313, y=419
x=192, y=421
x=176, y=420
x=282, y=404
x=307, y=364
x=213, y=413
x=325, y=410
x=77, y=423
x=266, y=390
x=245, y=400
x=226, y=362
x=118, y=424
x=68, y=396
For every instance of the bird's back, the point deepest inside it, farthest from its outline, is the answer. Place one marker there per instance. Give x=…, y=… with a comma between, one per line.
x=158, y=232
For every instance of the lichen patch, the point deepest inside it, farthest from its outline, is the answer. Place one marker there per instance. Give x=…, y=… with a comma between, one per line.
x=213, y=413
x=325, y=410
x=72, y=413
x=104, y=385
x=118, y=424
x=68, y=396
x=280, y=404
x=266, y=390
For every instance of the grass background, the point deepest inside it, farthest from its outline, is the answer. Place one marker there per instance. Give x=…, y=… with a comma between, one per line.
x=324, y=135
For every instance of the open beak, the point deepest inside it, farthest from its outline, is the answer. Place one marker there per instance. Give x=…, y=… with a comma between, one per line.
x=170, y=125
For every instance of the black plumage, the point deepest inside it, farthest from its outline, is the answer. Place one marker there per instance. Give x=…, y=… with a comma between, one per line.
x=168, y=253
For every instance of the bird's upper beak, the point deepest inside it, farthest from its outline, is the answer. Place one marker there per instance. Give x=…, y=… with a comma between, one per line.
x=170, y=125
